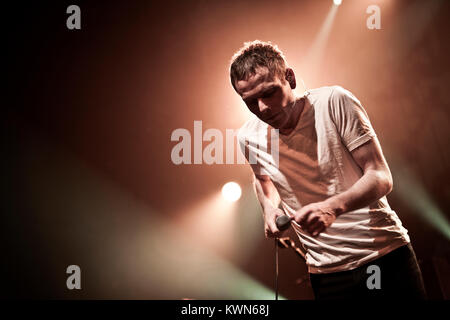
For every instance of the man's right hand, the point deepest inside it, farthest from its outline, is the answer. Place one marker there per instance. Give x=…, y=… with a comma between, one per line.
x=270, y=226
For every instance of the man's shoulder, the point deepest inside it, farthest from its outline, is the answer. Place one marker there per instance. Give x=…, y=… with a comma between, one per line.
x=331, y=97
x=252, y=127
x=328, y=92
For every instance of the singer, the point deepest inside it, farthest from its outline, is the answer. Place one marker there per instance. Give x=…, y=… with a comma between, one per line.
x=330, y=176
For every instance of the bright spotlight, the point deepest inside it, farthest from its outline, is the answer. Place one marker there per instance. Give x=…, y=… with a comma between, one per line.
x=231, y=191
x=337, y=2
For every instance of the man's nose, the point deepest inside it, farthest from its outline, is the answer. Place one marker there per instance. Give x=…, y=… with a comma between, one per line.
x=262, y=106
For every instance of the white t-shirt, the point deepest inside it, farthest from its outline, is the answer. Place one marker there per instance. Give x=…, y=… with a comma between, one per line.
x=313, y=163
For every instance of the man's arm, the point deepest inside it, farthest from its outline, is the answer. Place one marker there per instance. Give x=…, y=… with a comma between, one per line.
x=266, y=192
x=269, y=199
x=375, y=183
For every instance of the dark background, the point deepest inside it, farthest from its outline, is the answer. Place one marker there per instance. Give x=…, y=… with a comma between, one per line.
x=88, y=116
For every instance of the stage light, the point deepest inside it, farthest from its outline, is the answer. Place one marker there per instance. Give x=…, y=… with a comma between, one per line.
x=337, y=2
x=231, y=191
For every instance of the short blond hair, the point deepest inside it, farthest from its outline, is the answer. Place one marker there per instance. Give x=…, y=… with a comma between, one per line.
x=257, y=54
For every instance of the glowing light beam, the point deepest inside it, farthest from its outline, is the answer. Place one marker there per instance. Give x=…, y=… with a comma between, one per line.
x=314, y=56
x=420, y=202
x=131, y=251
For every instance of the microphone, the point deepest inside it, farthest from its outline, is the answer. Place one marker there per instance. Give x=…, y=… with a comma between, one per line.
x=283, y=222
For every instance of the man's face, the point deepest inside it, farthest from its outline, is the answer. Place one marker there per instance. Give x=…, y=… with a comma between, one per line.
x=267, y=97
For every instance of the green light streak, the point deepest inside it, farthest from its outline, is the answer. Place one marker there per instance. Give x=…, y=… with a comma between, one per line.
x=418, y=199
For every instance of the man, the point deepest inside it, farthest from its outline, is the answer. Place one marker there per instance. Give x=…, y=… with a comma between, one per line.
x=329, y=174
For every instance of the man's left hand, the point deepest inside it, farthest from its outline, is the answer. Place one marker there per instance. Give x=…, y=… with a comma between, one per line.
x=315, y=217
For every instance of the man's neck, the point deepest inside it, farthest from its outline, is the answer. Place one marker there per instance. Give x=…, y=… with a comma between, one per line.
x=297, y=109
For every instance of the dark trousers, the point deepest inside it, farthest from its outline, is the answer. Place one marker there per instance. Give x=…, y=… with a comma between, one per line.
x=395, y=275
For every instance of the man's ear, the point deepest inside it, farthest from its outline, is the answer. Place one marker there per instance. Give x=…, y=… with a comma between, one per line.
x=290, y=77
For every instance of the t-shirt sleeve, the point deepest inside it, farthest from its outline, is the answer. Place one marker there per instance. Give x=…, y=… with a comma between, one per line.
x=244, y=140
x=350, y=118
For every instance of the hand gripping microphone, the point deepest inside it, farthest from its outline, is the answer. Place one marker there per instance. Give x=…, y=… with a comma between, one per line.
x=283, y=222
